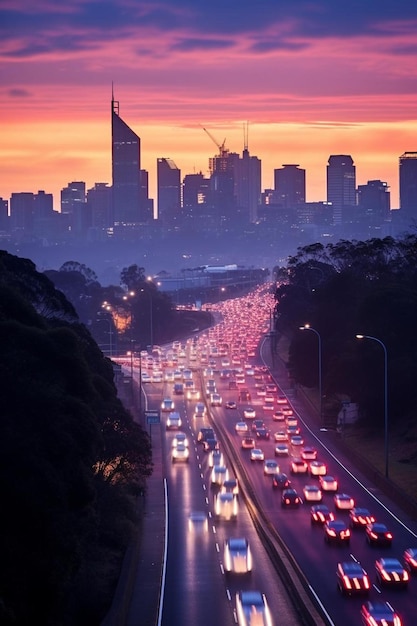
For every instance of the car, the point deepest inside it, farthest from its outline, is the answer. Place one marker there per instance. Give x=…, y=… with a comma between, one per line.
x=258, y=423
x=173, y=421
x=268, y=406
x=261, y=391
x=298, y=466
x=328, y=483
x=377, y=534
x=210, y=444
x=410, y=560
x=180, y=453
x=230, y=485
x=231, y=404
x=281, y=399
x=193, y=394
x=256, y=454
x=216, y=458
x=312, y=493
x=280, y=481
x=317, y=468
x=308, y=453
x=343, y=501
x=290, y=498
x=391, y=572
x=296, y=440
x=336, y=531
x=200, y=410
x=215, y=399
x=271, y=467
x=280, y=435
x=378, y=613
x=278, y=416
x=237, y=556
x=281, y=449
x=205, y=433
x=167, y=404
x=248, y=443
x=320, y=513
x=263, y=433
x=146, y=378
x=286, y=409
x=198, y=522
x=241, y=427
x=360, y=517
x=225, y=506
x=219, y=474
x=179, y=437
x=290, y=420
x=249, y=412
x=252, y=608
x=293, y=430
x=352, y=578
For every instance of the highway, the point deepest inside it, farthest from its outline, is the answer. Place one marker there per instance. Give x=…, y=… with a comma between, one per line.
x=196, y=588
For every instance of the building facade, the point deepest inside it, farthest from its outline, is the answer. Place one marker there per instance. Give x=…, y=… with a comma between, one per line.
x=169, y=191
x=408, y=185
x=341, y=187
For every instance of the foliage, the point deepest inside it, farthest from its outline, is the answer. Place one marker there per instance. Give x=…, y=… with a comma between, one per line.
x=71, y=459
x=344, y=289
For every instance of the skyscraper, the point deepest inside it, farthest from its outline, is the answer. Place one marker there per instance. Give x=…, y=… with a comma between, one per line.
x=125, y=170
x=248, y=185
x=341, y=186
x=373, y=203
x=290, y=186
x=169, y=191
x=408, y=185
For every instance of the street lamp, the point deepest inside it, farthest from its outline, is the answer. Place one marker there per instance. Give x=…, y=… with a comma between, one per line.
x=381, y=343
x=313, y=330
x=150, y=315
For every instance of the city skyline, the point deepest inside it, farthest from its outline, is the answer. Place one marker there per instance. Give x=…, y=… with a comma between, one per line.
x=311, y=80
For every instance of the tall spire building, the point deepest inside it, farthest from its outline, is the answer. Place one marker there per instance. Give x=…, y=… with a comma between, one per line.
x=126, y=176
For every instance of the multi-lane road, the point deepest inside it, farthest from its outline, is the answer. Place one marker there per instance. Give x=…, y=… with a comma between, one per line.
x=195, y=587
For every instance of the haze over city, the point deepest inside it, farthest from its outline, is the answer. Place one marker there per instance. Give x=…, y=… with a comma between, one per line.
x=311, y=79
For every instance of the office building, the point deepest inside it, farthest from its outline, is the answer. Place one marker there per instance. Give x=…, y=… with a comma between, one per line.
x=21, y=213
x=195, y=195
x=126, y=184
x=248, y=186
x=169, y=191
x=374, y=203
x=408, y=185
x=341, y=187
x=290, y=186
x=99, y=202
x=74, y=207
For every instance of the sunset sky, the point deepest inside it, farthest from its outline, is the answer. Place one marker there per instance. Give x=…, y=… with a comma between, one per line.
x=311, y=77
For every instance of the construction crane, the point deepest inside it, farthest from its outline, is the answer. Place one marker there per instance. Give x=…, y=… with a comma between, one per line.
x=221, y=146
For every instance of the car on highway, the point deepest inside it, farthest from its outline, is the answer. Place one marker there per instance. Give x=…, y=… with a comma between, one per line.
x=377, y=534
x=179, y=437
x=271, y=467
x=293, y=430
x=241, y=427
x=296, y=441
x=200, y=410
x=391, y=572
x=280, y=481
x=343, y=501
x=281, y=449
x=352, y=578
x=263, y=433
x=281, y=399
x=231, y=404
x=237, y=556
x=230, y=485
x=180, y=453
x=278, y=416
x=308, y=453
x=173, y=421
x=298, y=466
x=290, y=498
x=287, y=410
x=359, y=517
x=193, y=394
x=336, y=531
x=205, y=433
x=210, y=444
x=312, y=493
x=257, y=423
x=328, y=483
x=216, y=458
x=320, y=513
x=410, y=560
x=256, y=454
x=280, y=435
x=249, y=412
x=317, y=468
x=225, y=506
x=198, y=522
x=167, y=404
x=252, y=609
x=219, y=474
x=247, y=443
x=215, y=399
x=378, y=613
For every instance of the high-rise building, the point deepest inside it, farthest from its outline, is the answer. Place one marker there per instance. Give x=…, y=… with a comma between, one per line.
x=169, y=191
x=408, y=185
x=248, y=185
x=373, y=203
x=74, y=206
x=290, y=186
x=341, y=187
x=21, y=212
x=195, y=195
x=125, y=170
x=99, y=201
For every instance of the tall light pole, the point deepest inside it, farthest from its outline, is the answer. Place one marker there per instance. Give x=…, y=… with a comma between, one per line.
x=313, y=330
x=150, y=316
x=381, y=343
